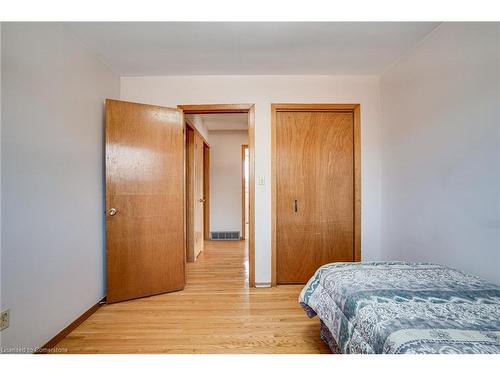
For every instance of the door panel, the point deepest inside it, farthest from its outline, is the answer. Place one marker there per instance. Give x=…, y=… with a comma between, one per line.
x=145, y=184
x=195, y=194
x=190, y=194
x=198, y=195
x=314, y=191
x=206, y=192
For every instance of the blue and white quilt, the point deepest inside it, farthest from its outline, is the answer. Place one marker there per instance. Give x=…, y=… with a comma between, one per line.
x=403, y=307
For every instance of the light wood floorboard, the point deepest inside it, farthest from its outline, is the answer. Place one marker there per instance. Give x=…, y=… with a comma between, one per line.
x=215, y=313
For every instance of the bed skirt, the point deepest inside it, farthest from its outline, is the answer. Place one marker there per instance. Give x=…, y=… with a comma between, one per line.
x=328, y=339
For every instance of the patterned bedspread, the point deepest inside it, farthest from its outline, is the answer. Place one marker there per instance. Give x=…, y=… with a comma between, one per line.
x=402, y=307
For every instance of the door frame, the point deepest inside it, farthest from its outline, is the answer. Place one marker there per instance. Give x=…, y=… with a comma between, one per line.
x=298, y=107
x=200, y=109
x=206, y=186
x=243, y=195
x=206, y=191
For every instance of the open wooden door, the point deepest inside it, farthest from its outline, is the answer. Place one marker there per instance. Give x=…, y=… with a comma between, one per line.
x=145, y=245
x=195, y=194
x=199, y=198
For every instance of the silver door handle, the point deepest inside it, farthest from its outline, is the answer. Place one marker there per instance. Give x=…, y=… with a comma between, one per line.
x=112, y=211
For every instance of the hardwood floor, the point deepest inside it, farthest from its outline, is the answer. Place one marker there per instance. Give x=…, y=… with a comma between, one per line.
x=215, y=313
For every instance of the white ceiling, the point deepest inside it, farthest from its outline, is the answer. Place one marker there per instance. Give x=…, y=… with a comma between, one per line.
x=223, y=121
x=274, y=48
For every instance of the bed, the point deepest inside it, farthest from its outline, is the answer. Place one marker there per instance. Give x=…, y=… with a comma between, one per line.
x=403, y=307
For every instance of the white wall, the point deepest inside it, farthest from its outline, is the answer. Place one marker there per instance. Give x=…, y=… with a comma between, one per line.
x=262, y=91
x=53, y=93
x=441, y=151
x=225, y=180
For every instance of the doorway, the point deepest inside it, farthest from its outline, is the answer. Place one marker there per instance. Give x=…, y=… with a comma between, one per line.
x=240, y=227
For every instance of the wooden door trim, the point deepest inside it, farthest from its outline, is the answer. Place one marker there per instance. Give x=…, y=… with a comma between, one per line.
x=238, y=108
x=243, y=207
x=189, y=192
x=215, y=108
x=251, y=195
x=355, y=110
x=206, y=191
x=206, y=179
x=327, y=107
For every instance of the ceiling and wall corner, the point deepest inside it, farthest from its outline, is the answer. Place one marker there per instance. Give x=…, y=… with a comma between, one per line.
x=249, y=48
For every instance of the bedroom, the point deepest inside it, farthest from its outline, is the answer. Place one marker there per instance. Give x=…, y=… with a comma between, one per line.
x=373, y=179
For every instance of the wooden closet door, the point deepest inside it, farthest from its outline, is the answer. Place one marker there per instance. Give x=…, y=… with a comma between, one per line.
x=314, y=191
x=145, y=242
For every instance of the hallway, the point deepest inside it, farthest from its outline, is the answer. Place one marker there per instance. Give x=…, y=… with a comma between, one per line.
x=215, y=313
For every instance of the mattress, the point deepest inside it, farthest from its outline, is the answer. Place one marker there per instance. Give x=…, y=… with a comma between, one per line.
x=403, y=307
